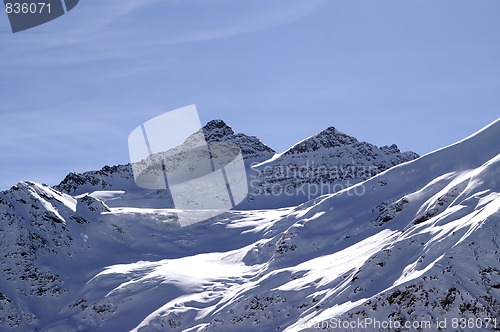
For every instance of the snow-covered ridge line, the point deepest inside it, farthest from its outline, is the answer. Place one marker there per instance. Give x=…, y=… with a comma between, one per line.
x=330, y=159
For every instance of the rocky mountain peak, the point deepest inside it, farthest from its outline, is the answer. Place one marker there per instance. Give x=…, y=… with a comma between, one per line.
x=327, y=139
x=390, y=149
x=121, y=177
x=216, y=130
x=251, y=147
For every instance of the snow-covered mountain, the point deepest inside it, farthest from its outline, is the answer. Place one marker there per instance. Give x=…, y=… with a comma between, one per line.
x=121, y=178
x=321, y=164
x=415, y=244
x=122, y=189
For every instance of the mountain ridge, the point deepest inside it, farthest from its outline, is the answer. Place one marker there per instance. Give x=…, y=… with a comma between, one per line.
x=346, y=153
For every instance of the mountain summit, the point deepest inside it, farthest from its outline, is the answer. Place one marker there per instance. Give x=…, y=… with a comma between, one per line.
x=253, y=150
x=322, y=164
x=216, y=130
x=327, y=139
x=121, y=178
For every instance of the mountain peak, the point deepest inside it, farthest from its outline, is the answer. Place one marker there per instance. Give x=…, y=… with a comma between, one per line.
x=217, y=129
x=327, y=139
x=390, y=149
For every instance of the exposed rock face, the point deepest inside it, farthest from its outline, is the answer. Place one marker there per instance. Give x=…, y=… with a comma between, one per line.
x=327, y=139
x=322, y=164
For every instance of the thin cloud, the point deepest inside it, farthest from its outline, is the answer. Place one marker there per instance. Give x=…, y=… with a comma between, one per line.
x=127, y=29
x=256, y=22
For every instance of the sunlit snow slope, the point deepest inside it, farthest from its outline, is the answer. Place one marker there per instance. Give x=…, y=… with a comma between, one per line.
x=420, y=243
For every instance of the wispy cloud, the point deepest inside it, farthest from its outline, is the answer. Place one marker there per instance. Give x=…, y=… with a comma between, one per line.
x=126, y=29
x=256, y=21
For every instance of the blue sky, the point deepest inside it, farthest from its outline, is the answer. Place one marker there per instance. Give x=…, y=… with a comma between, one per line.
x=421, y=74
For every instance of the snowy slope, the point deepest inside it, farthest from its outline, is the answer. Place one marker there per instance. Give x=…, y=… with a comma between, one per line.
x=417, y=242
